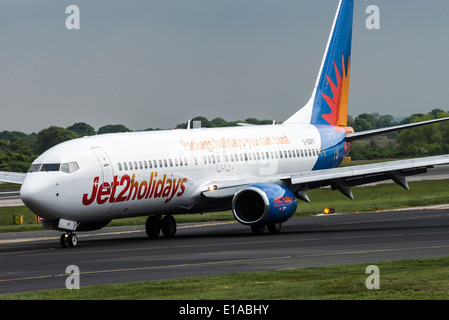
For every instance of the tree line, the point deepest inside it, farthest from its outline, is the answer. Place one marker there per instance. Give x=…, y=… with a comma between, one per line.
x=18, y=150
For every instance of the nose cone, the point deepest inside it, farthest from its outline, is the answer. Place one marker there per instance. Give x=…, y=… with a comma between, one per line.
x=35, y=193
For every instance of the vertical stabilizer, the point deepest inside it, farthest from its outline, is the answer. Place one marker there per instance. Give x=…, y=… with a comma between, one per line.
x=329, y=102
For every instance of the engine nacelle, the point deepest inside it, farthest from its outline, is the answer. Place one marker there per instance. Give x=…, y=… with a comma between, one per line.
x=263, y=203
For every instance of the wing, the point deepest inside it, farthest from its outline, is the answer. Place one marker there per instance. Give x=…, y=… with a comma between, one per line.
x=12, y=177
x=341, y=179
x=370, y=133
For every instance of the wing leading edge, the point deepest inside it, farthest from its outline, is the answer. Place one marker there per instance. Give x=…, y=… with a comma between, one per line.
x=12, y=177
x=341, y=179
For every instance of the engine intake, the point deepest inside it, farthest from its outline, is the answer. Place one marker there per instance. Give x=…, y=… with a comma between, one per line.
x=263, y=203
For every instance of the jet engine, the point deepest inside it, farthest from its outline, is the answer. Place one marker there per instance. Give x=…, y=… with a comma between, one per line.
x=263, y=204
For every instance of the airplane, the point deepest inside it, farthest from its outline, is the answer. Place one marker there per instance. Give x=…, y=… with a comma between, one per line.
x=260, y=172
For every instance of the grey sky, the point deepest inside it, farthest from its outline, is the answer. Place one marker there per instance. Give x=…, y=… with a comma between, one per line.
x=158, y=63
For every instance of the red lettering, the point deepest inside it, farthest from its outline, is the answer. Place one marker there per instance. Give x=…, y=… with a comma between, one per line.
x=173, y=189
x=167, y=188
x=88, y=201
x=149, y=185
x=135, y=187
x=158, y=191
x=114, y=188
x=125, y=179
x=132, y=189
x=105, y=190
x=183, y=188
x=143, y=187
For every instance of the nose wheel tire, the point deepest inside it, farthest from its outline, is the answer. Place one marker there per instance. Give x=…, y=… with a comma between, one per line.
x=68, y=240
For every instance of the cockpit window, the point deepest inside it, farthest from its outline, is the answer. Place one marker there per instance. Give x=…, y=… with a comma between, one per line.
x=50, y=167
x=65, y=167
x=73, y=166
x=70, y=167
x=35, y=167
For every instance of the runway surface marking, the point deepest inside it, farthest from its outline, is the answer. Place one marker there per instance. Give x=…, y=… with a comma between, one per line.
x=20, y=240
x=258, y=242
x=227, y=262
x=152, y=268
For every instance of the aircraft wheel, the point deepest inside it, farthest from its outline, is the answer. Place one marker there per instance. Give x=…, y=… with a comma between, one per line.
x=73, y=240
x=274, y=228
x=153, y=227
x=258, y=228
x=64, y=240
x=169, y=226
x=68, y=240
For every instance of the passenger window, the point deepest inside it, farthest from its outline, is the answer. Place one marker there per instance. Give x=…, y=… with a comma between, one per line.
x=125, y=166
x=140, y=165
x=130, y=165
x=150, y=164
x=119, y=166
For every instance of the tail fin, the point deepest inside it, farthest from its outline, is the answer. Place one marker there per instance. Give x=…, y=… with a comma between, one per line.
x=329, y=102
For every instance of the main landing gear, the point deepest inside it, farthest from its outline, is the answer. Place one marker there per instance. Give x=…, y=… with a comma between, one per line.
x=260, y=228
x=155, y=224
x=68, y=239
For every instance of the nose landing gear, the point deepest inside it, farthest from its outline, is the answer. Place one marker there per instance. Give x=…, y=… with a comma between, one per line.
x=68, y=239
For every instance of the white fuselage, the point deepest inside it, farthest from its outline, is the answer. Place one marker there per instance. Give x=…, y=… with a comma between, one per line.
x=162, y=172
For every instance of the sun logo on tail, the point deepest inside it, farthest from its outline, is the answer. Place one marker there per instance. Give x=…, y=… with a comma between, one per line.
x=340, y=92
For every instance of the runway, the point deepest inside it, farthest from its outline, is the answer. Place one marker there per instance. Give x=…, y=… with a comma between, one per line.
x=32, y=261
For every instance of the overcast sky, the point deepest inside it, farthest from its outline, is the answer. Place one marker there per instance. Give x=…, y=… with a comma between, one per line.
x=151, y=63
